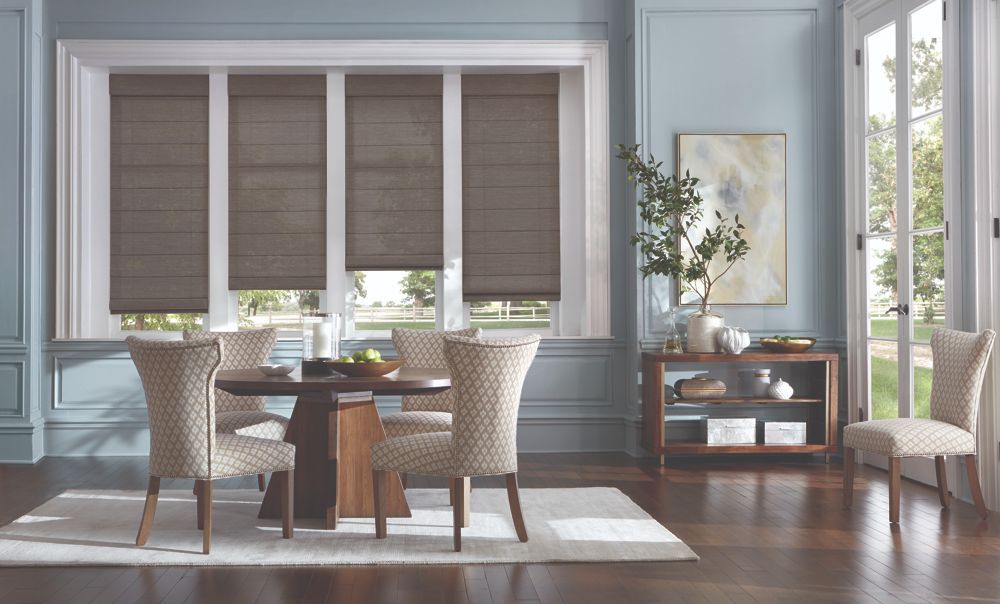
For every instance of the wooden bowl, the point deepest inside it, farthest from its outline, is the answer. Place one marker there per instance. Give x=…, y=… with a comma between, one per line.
x=787, y=346
x=386, y=367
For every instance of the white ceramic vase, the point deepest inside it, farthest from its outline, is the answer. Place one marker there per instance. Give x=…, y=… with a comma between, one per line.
x=703, y=330
x=780, y=390
x=732, y=340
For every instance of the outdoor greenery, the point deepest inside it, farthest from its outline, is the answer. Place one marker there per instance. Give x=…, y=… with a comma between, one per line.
x=161, y=322
x=927, y=182
x=886, y=328
x=885, y=385
x=673, y=207
x=418, y=287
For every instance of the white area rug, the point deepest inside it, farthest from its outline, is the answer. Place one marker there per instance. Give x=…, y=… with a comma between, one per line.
x=564, y=525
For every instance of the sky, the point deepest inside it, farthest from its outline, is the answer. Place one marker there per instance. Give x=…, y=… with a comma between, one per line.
x=382, y=286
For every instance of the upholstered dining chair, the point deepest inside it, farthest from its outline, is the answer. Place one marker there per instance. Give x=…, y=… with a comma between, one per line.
x=423, y=349
x=178, y=379
x=486, y=378
x=957, y=378
x=244, y=415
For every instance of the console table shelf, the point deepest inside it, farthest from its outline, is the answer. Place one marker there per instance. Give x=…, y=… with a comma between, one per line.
x=821, y=426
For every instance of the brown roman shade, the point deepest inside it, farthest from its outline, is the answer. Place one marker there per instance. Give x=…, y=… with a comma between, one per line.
x=394, y=179
x=277, y=182
x=510, y=192
x=159, y=193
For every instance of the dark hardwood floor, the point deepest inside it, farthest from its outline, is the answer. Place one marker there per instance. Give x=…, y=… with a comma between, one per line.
x=766, y=531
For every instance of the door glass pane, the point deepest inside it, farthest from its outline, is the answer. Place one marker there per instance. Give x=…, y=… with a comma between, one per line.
x=926, y=64
x=927, y=152
x=928, y=284
x=881, y=189
x=923, y=365
x=883, y=371
x=278, y=308
x=880, y=54
x=882, y=293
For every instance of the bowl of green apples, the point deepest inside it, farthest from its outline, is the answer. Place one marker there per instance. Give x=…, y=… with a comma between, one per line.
x=364, y=363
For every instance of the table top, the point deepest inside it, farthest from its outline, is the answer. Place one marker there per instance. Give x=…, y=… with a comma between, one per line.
x=403, y=381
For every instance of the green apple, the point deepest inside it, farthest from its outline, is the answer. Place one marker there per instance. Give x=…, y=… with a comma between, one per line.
x=359, y=356
x=371, y=355
x=345, y=359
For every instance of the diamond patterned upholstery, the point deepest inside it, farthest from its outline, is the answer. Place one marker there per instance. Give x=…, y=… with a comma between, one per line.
x=415, y=422
x=244, y=415
x=429, y=412
x=959, y=366
x=424, y=349
x=178, y=379
x=486, y=377
x=909, y=438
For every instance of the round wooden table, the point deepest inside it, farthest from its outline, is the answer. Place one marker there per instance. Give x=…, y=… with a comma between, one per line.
x=333, y=426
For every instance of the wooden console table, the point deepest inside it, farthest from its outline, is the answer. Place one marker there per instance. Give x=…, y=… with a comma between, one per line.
x=821, y=398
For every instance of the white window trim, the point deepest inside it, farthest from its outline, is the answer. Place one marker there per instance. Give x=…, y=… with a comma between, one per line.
x=80, y=305
x=855, y=180
x=986, y=189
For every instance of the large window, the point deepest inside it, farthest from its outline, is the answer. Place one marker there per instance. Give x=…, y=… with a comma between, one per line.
x=420, y=200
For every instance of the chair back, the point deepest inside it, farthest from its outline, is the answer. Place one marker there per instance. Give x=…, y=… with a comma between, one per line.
x=486, y=377
x=959, y=367
x=424, y=349
x=244, y=350
x=178, y=378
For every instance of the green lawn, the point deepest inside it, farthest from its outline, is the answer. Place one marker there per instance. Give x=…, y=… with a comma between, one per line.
x=885, y=386
x=886, y=328
x=388, y=325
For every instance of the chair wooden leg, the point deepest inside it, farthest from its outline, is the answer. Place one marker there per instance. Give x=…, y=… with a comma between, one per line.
x=466, y=485
x=977, y=491
x=287, y=503
x=378, y=491
x=205, y=505
x=457, y=514
x=261, y=483
x=198, y=492
x=894, y=487
x=146, y=524
x=848, y=477
x=402, y=479
x=451, y=492
x=515, y=507
x=942, y=480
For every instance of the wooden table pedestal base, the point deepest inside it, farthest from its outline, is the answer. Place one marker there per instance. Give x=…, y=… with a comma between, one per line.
x=333, y=435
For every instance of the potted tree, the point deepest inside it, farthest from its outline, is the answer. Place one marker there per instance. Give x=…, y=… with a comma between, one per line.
x=672, y=207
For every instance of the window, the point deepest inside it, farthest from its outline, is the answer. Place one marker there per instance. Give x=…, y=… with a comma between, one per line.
x=530, y=315
x=282, y=309
x=316, y=179
x=389, y=299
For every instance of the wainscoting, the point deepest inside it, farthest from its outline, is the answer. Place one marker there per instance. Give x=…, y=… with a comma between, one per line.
x=571, y=400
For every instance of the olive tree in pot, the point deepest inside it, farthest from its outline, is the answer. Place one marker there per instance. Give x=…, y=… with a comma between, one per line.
x=672, y=207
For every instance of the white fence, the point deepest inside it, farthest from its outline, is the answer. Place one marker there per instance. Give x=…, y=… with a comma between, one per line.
x=881, y=307
x=403, y=314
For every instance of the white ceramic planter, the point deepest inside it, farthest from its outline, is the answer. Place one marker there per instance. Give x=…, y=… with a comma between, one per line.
x=703, y=331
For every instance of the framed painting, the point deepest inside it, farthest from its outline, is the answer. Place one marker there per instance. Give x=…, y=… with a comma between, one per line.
x=742, y=174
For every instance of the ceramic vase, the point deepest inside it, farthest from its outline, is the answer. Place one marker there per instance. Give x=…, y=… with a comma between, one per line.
x=780, y=390
x=732, y=340
x=703, y=330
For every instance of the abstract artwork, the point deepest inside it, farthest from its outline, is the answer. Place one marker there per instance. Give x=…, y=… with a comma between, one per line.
x=742, y=174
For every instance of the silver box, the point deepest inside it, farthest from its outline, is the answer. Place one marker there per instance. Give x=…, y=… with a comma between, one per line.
x=784, y=433
x=729, y=430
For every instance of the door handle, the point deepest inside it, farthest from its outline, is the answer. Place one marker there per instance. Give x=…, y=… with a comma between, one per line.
x=903, y=309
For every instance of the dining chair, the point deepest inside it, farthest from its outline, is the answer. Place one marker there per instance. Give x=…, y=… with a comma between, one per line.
x=178, y=378
x=957, y=378
x=486, y=378
x=423, y=349
x=244, y=415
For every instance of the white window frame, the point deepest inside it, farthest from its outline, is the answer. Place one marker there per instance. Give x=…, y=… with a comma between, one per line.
x=83, y=241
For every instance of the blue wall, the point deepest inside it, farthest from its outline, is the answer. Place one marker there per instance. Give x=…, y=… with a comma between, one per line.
x=761, y=64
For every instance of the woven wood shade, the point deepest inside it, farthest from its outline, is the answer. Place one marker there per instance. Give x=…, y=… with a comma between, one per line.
x=394, y=173
x=277, y=182
x=510, y=194
x=159, y=193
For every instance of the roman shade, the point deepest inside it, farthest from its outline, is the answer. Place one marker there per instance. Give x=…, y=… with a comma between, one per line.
x=394, y=172
x=510, y=192
x=277, y=182
x=159, y=193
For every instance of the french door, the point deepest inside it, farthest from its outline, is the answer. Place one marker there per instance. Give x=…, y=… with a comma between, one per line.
x=905, y=237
